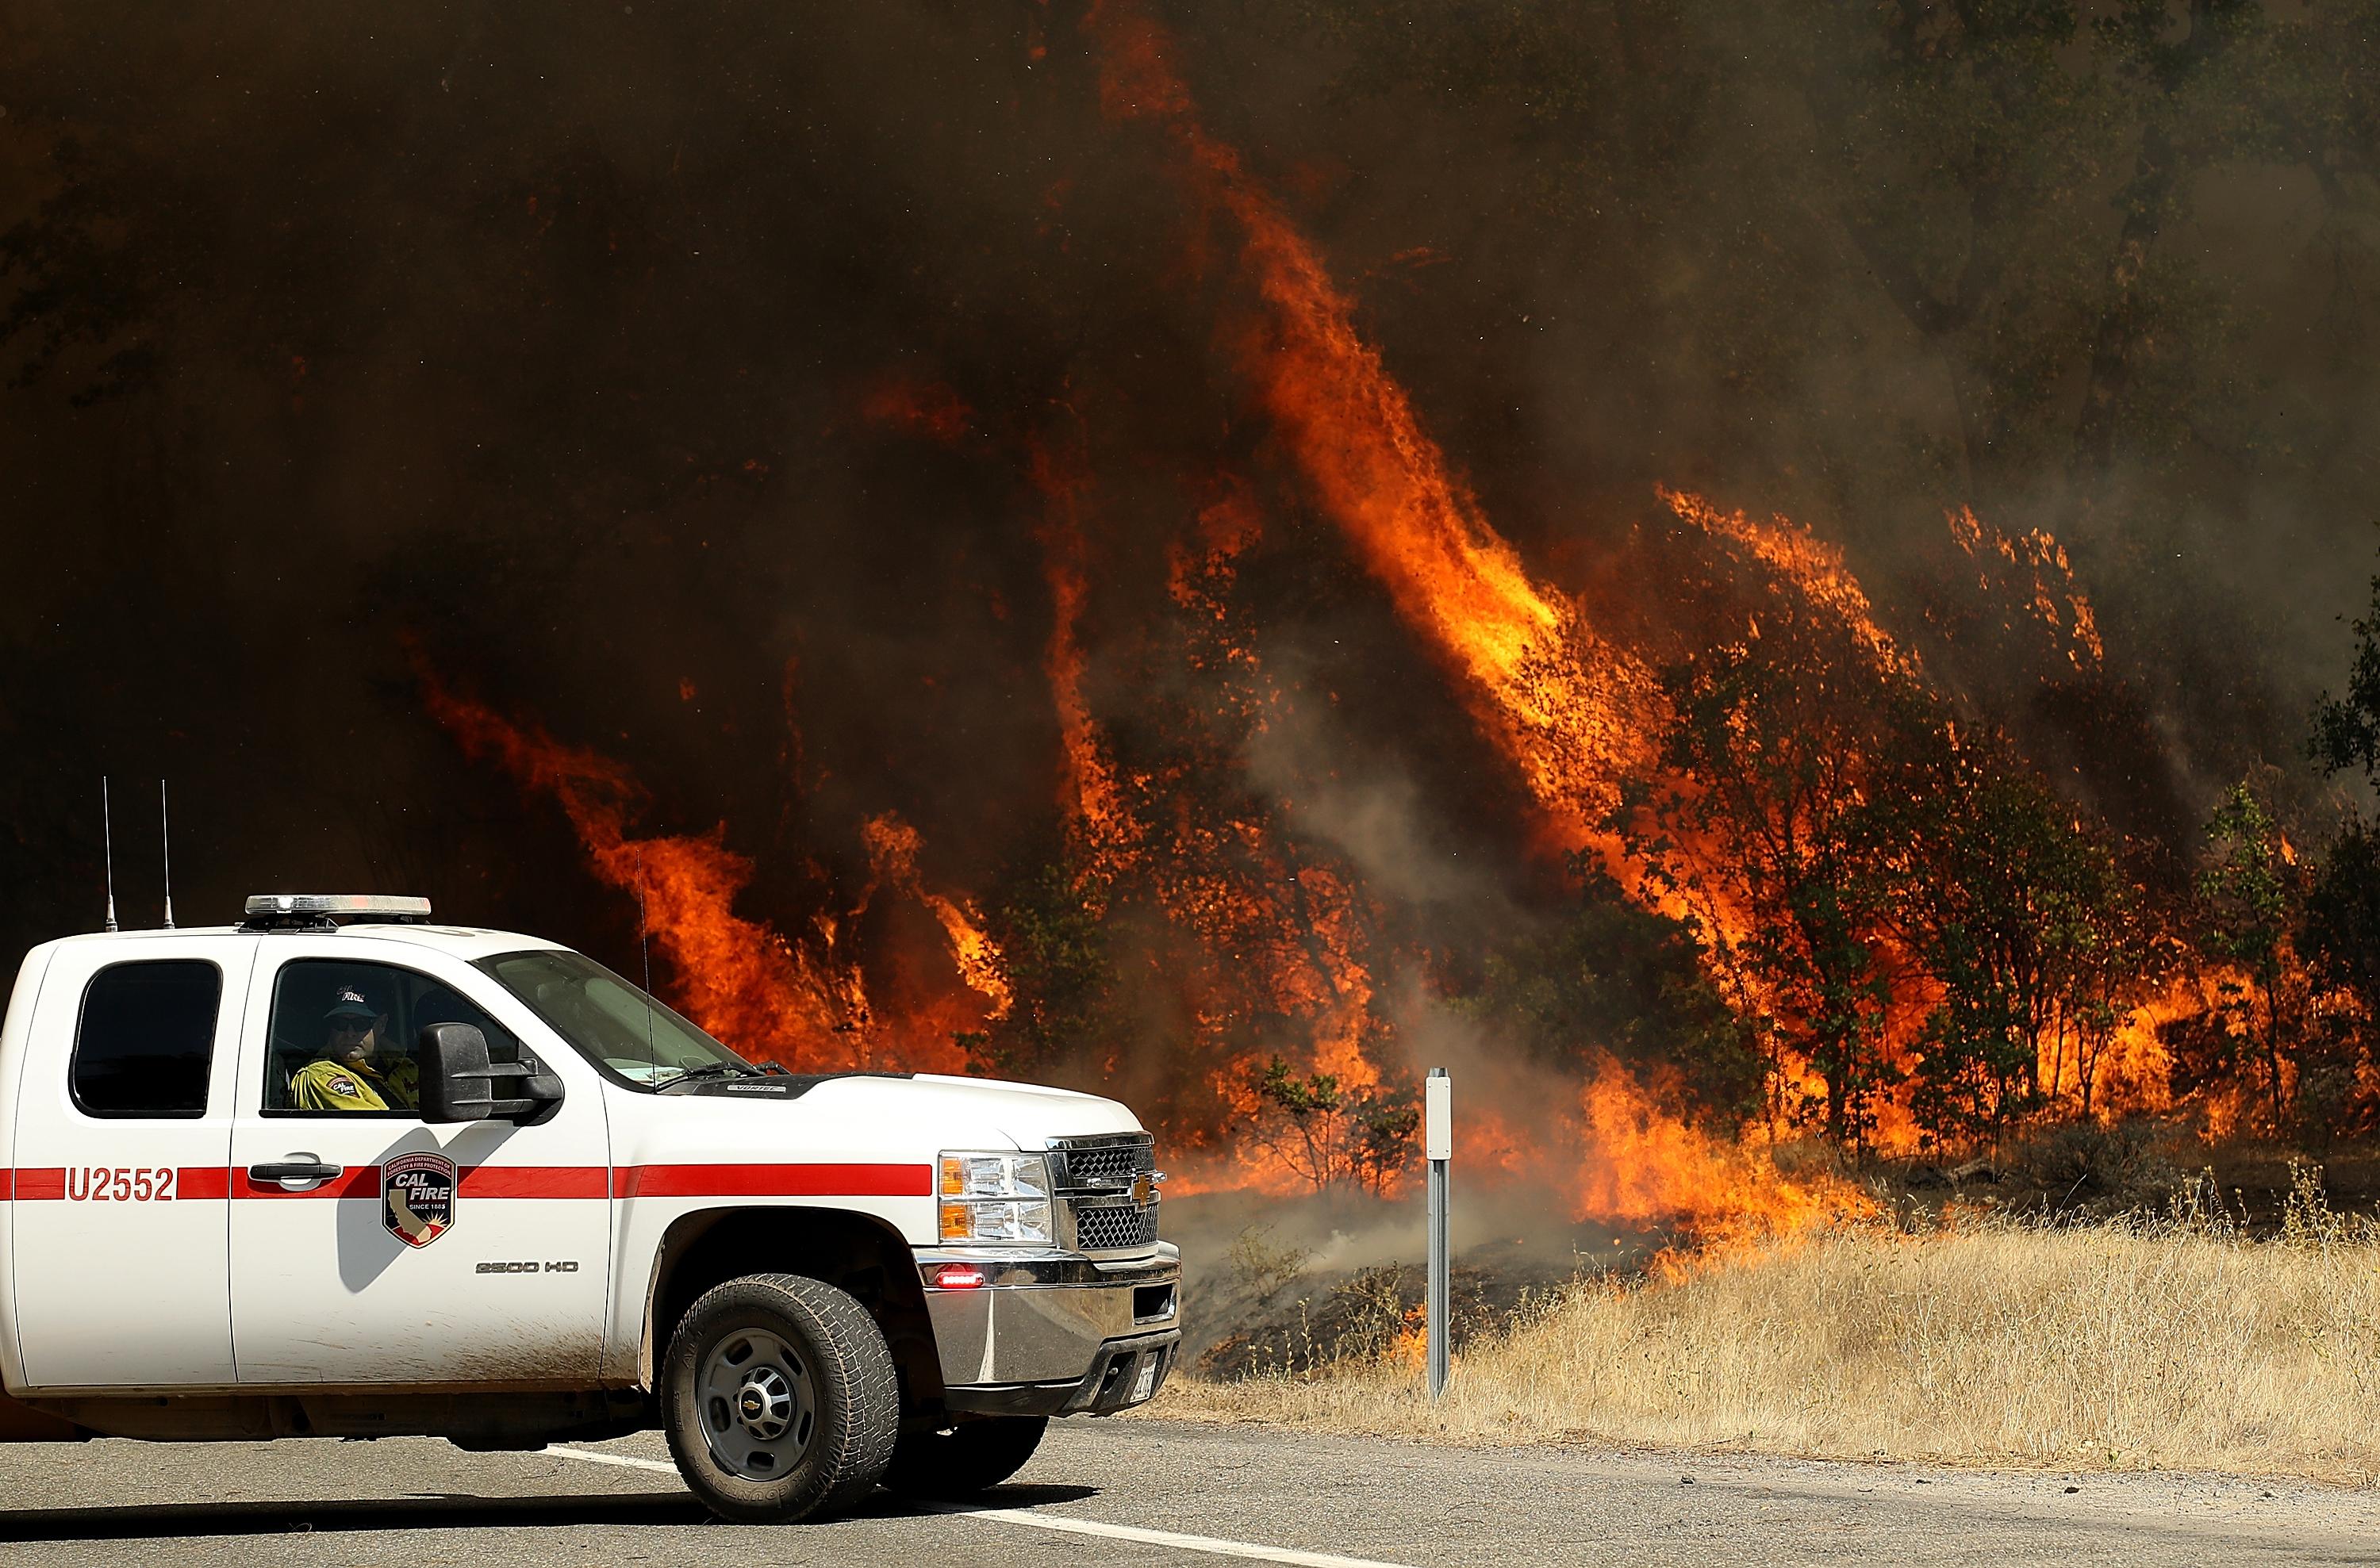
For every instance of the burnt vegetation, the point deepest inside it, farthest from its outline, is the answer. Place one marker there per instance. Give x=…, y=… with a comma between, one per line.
x=1194, y=550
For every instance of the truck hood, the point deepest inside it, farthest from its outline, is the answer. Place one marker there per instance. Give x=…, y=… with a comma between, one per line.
x=1027, y=1114
x=864, y=1116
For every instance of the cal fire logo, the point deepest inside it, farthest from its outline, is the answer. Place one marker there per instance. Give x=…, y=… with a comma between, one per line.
x=417, y=1198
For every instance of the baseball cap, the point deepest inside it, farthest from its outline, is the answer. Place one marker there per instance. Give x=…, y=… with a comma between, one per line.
x=350, y=1004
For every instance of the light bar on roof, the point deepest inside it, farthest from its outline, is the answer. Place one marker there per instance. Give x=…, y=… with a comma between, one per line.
x=330, y=906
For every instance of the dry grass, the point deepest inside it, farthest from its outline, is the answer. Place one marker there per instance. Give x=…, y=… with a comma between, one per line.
x=2172, y=1343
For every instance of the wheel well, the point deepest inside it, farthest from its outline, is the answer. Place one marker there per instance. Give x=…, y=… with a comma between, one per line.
x=853, y=1252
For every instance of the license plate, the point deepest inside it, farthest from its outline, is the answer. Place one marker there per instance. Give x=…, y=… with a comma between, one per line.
x=1145, y=1383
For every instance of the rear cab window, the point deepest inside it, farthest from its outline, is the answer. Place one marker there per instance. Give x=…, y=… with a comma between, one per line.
x=145, y=1040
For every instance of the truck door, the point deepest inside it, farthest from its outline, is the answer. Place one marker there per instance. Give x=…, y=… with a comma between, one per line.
x=369, y=1248
x=123, y=1133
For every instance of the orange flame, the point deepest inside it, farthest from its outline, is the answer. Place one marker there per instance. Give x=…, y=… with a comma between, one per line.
x=892, y=847
x=2044, y=560
x=1567, y=706
x=1805, y=562
x=739, y=979
x=1281, y=936
x=2136, y=1072
x=1645, y=1165
x=1410, y=1347
x=803, y=1003
x=1104, y=831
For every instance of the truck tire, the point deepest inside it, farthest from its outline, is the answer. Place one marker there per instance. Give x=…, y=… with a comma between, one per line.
x=779, y=1399
x=972, y=1457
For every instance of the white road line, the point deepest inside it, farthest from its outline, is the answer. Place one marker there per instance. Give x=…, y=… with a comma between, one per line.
x=1213, y=1546
x=625, y=1461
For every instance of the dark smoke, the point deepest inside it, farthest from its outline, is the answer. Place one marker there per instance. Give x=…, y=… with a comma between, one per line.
x=540, y=342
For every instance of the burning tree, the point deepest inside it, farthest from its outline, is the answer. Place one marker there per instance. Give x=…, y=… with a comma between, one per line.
x=2253, y=890
x=1061, y=961
x=1757, y=830
x=1329, y=1134
x=2013, y=908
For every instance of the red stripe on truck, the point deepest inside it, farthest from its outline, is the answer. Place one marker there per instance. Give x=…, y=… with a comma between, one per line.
x=202, y=1181
x=776, y=1181
x=48, y=1183
x=537, y=1181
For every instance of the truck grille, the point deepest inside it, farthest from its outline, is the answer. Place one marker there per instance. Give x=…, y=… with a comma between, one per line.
x=1103, y=1164
x=1096, y=1178
x=1113, y=1225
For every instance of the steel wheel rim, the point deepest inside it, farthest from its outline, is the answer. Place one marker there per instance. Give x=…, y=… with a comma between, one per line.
x=756, y=1405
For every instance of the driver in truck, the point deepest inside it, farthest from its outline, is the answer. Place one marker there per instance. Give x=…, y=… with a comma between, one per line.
x=350, y=1075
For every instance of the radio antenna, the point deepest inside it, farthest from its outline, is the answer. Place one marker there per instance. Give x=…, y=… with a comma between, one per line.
x=165, y=837
x=107, y=842
x=645, y=948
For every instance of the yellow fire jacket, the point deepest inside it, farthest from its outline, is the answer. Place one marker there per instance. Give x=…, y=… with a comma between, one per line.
x=335, y=1086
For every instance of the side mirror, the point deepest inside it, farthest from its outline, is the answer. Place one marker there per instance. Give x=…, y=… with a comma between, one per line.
x=459, y=1084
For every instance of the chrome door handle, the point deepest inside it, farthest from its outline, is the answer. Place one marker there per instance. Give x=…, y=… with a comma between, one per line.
x=288, y=1171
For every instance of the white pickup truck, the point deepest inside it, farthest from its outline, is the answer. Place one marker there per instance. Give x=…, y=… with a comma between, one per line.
x=338, y=1172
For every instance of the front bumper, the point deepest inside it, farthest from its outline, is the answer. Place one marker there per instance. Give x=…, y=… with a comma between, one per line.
x=1054, y=1334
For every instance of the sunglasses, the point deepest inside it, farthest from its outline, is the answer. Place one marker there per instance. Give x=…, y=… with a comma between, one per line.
x=351, y=1026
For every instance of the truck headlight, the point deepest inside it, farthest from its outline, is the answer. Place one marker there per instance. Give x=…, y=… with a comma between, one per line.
x=996, y=1198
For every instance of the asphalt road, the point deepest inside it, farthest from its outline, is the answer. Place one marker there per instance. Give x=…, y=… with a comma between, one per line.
x=1244, y=1495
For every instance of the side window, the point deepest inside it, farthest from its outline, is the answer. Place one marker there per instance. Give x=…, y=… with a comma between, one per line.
x=146, y=1039
x=343, y=1037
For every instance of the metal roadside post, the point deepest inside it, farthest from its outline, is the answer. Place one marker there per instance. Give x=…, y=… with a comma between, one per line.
x=1437, y=1147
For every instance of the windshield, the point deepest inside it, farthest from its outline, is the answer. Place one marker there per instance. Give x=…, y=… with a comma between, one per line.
x=611, y=1023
